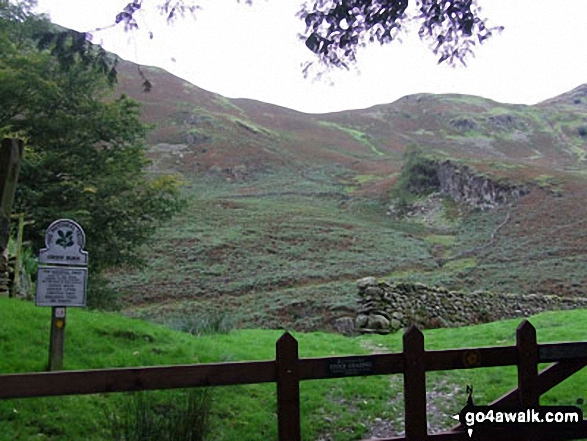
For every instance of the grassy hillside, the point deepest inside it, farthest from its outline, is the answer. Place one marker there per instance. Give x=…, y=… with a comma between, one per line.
x=343, y=409
x=286, y=209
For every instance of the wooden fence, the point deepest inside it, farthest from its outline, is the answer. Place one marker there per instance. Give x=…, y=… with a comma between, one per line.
x=287, y=370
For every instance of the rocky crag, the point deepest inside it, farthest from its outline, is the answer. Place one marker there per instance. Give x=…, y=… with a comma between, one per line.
x=465, y=185
x=427, y=176
x=385, y=307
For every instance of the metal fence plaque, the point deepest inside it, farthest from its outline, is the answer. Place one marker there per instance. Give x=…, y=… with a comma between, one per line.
x=350, y=366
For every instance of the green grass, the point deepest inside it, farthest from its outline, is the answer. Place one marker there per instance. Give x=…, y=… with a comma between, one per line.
x=440, y=239
x=461, y=264
x=505, y=166
x=550, y=183
x=227, y=104
x=345, y=408
x=253, y=128
x=361, y=179
x=359, y=136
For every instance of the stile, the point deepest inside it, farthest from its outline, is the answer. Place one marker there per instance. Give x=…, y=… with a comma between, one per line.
x=415, y=385
x=288, y=389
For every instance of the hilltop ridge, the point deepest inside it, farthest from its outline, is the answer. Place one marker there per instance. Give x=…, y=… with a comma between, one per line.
x=246, y=133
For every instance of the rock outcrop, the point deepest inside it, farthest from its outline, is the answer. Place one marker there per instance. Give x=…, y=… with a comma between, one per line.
x=464, y=185
x=404, y=304
x=424, y=175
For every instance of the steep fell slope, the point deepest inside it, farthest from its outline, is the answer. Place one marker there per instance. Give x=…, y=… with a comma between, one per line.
x=287, y=209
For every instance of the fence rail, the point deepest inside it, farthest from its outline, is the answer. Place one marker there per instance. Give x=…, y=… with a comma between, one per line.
x=287, y=370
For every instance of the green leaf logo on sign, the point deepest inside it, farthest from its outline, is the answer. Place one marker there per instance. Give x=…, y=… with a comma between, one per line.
x=64, y=244
x=65, y=238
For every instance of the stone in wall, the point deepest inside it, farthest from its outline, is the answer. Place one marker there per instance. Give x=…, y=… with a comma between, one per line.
x=404, y=304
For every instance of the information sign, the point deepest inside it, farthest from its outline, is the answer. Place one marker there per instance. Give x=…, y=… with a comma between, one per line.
x=61, y=286
x=63, y=283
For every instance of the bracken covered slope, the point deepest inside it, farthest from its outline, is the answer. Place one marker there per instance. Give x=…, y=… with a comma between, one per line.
x=286, y=209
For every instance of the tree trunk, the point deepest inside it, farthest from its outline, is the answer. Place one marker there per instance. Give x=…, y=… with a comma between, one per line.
x=11, y=151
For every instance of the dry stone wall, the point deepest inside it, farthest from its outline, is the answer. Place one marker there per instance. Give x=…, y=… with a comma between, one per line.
x=385, y=307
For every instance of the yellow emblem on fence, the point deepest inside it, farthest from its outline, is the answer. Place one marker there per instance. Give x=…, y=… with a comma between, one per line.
x=472, y=358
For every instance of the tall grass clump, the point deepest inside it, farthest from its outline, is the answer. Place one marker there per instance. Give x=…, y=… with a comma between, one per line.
x=163, y=416
x=203, y=325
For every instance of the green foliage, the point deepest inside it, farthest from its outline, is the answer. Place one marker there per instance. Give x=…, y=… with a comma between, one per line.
x=85, y=155
x=418, y=177
x=159, y=416
x=418, y=173
x=101, y=295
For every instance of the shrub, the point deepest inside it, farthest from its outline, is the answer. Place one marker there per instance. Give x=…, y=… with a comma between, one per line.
x=181, y=415
x=418, y=177
x=101, y=295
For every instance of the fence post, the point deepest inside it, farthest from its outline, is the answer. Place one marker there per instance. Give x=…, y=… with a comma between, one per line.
x=288, y=389
x=528, y=395
x=527, y=365
x=414, y=385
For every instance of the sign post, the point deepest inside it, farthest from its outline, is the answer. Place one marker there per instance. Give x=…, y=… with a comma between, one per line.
x=61, y=280
x=57, y=338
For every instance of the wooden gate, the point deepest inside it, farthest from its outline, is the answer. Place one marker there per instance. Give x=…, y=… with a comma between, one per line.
x=287, y=370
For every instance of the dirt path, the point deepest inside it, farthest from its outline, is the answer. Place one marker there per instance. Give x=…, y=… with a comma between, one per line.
x=442, y=401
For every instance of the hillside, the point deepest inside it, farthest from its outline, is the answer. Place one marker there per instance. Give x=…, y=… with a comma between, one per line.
x=286, y=210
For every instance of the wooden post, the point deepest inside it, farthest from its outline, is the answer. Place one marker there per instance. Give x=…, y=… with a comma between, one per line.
x=57, y=338
x=527, y=365
x=10, y=157
x=415, y=385
x=288, y=389
x=16, y=287
x=528, y=395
